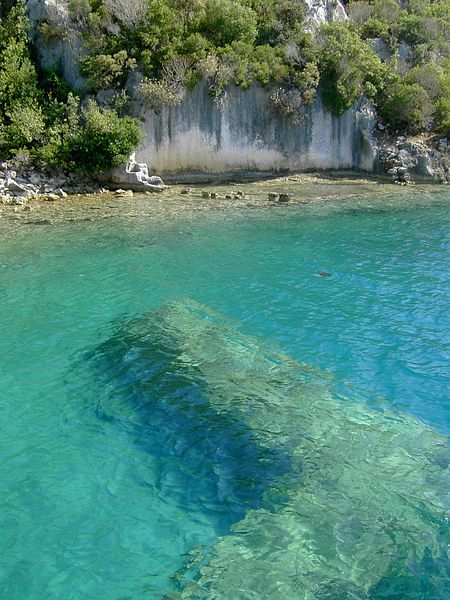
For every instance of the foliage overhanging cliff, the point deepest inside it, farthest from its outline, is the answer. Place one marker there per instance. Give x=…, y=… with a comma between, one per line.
x=398, y=56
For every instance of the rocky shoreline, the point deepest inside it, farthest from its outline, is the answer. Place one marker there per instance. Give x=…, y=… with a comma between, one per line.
x=21, y=181
x=401, y=161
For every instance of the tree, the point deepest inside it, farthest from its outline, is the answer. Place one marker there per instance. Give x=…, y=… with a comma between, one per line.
x=21, y=120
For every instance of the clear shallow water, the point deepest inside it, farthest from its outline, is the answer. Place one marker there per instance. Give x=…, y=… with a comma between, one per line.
x=112, y=470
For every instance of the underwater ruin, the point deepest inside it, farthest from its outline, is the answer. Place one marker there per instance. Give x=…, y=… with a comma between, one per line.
x=356, y=507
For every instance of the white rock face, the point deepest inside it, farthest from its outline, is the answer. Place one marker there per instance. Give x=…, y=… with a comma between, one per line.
x=53, y=11
x=323, y=11
x=246, y=135
x=65, y=49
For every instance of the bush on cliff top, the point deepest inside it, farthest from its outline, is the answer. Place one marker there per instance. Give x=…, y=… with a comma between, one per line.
x=243, y=41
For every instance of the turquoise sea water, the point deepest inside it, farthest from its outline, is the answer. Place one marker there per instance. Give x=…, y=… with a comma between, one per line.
x=115, y=469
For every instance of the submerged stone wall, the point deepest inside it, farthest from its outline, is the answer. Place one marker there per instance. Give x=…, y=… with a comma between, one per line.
x=245, y=134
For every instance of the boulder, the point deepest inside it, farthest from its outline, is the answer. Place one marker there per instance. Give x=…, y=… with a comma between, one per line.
x=20, y=189
x=124, y=193
x=285, y=197
x=320, y=12
x=134, y=176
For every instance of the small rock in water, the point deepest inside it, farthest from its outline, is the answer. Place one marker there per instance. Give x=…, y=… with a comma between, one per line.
x=274, y=196
x=213, y=195
x=285, y=197
x=228, y=196
x=206, y=195
x=124, y=193
x=51, y=197
x=185, y=191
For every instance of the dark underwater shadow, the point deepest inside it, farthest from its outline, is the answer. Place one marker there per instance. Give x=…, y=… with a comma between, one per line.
x=214, y=460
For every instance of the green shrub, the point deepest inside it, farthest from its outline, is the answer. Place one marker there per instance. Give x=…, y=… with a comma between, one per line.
x=347, y=66
x=196, y=46
x=18, y=78
x=268, y=65
x=440, y=10
x=442, y=112
x=21, y=120
x=429, y=77
x=103, y=71
x=413, y=30
x=243, y=64
x=307, y=82
x=227, y=21
x=407, y=106
x=278, y=21
x=375, y=28
x=25, y=126
x=386, y=11
x=93, y=140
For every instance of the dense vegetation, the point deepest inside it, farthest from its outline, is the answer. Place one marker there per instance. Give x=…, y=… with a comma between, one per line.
x=175, y=43
x=39, y=114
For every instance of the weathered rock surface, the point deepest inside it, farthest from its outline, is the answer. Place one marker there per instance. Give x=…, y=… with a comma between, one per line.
x=323, y=11
x=408, y=160
x=245, y=134
x=65, y=47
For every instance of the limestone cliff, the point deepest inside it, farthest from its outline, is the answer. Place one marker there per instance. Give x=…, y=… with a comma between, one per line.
x=246, y=134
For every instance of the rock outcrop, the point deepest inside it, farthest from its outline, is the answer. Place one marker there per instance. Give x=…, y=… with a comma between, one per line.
x=20, y=181
x=323, y=11
x=407, y=160
x=134, y=176
x=63, y=47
